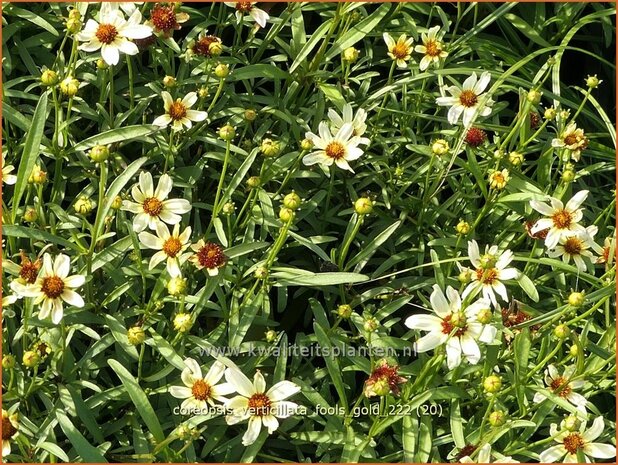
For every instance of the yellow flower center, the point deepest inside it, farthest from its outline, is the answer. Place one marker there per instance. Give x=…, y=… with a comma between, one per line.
x=177, y=110
x=201, y=390
x=573, y=246
x=245, y=7
x=487, y=276
x=335, y=150
x=468, y=98
x=433, y=48
x=562, y=219
x=400, y=51
x=52, y=286
x=573, y=442
x=571, y=139
x=152, y=206
x=560, y=384
x=259, y=405
x=106, y=33
x=172, y=246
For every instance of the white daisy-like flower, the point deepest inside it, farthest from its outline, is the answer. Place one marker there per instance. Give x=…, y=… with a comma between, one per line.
x=112, y=34
x=200, y=391
x=432, y=48
x=490, y=270
x=562, y=220
x=400, y=51
x=170, y=247
x=10, y=427
x=573, y=139
x=570, y=442
x=242, y=8
x=127, y=7
x=484, y=456
x=356, y=120
x=151, y=206
x=339, y=148
x=468, y=100
x=7, y=177
x=54, y=286
x=258, y=405
x=577, y=247
x=561, y=385
x=458, y=329
x=178, y=112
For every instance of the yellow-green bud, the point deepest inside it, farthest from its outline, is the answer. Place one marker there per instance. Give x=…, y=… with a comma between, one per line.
x=516, y=158
x=568, y=176
x=463, y=227
x=69, y=86
x=8, y=362
x=270, y=148
x=550, y=113
x=83, y=205
x=73, y=25
x=370, y=324
x=101, y=65
x=270, y=335
x=222, y=70
x=136, y=335
x=497, y=418
x=253, y=182
x=74, y=14
x=250, y=114
x=38, y=176
x=227, y=132
x=31, y=358
x=573, y=350
x=498, y=154
x=492, y=384
x=228, y=208
x=30, y=215
x=177, y=286
x=344, y=311
x=440, y=147
x=261, y=272
x=187, y=434
x=593, y=82
x=292, y=201
x=399, y=171
x=215, y=49
x=576, y=299
x=99, y=153
x=351, y=54
x=534, y=96
x=484, y=316
x=564, y=115
x=459, y=320
x=182, y=322
x=203, y=92
x=465, y=276
x=117, y=202
x=363, y=206
x=380, y=387
x=488, y=261
x=306, y=144
x=169, y=81
x=49, y=77
x=562, y=331
x=286, y=215
x=572, y=423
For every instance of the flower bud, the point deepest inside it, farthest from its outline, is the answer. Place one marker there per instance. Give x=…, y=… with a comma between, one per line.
x=227, y=132
x=228, y=208
x=351, y=54
x=344, y=311
x=497, y=418
x=370, y=324
x=261, y=272
x=484, y=316
x=270, y=335
x=169, y=82
x=306, y=144
x=499, y=179
x=253, y=182
x=292, y=201
x=492, y=384
x=74, y=14
x=69, y=86
x=516, y=158
x=380, y=387
x=399, y=171
x=534, y=96
x=464, y=276
x=564, y=115
x=562, y=331
x=99, y=153
x=593, y=82
x=576, y=299
x=101, y=65
x=459, y=320
x=8, y=362
x=73, y=25
x=488, y=261
x=498, y=154
x=568, y=176
x=363, y=206
x=270, y=148
x=117, y=203
x=203, y=92
x=286, y=215
x=462, y=228
x=177, y=286
x=550, y=113
x=572, y=423
x=49, y=78
x=83, y=205
x=30, y=215
x=440, y=147
x=136, y=335
x=215, y=49
x=38, y=176
x=250, y=114
x=187, y=434
x=31, y=358
x=182, y=322
x=222, y=70
x=573, y=350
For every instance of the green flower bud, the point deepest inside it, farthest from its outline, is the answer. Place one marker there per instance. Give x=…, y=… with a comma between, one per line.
x=370, y=324
x=270, y=148
x=253, y=182
x=344, y=311
x=83, y=205
x=136, y=335
x=182, y=322
x=261, y=272
x=222, y=70
x=69, y=86
x=593, y=82
x=440, y=147
x=576, y=299
x=270, y=335
x=463, y=228
x=562, y=331
x=31, y=358
x=30, y=215
x=497, y=418
x=534, y=96
x=227, y=132
x=169, y=82
x=49, y=78
x=99, y=153
x=492, y=384
x=177, y=286
x=484, y=316
x=306, y=144
x=250, y=114
x=286, y=215
x=228, y=208
x=8, y=362
x=292, y=201
x=351, y=54
x=363, y=206
x=117, y=202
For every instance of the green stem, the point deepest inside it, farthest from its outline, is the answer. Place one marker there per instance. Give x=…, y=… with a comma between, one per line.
x=348, y=242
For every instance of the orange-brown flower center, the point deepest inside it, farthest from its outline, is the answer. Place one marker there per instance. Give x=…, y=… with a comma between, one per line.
x=106, y=33
x=8, y=430
x=164, y=18
x=573, y=246
x=573, y=442
x=29, y=270
x=335, y=150
x=172, y=246
x=468, y=98
x=562, y=219
x=177, y=110
x=571, y=139
x=400, y=51
x=487, y=276
x=560, y=384
x=210, y=256
x=52, y=286
x=202, y=45
x=245, y=7
x=152, y=206
x=259, y=405
x=201, y=390
x=433, y=48
x=448, y=327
